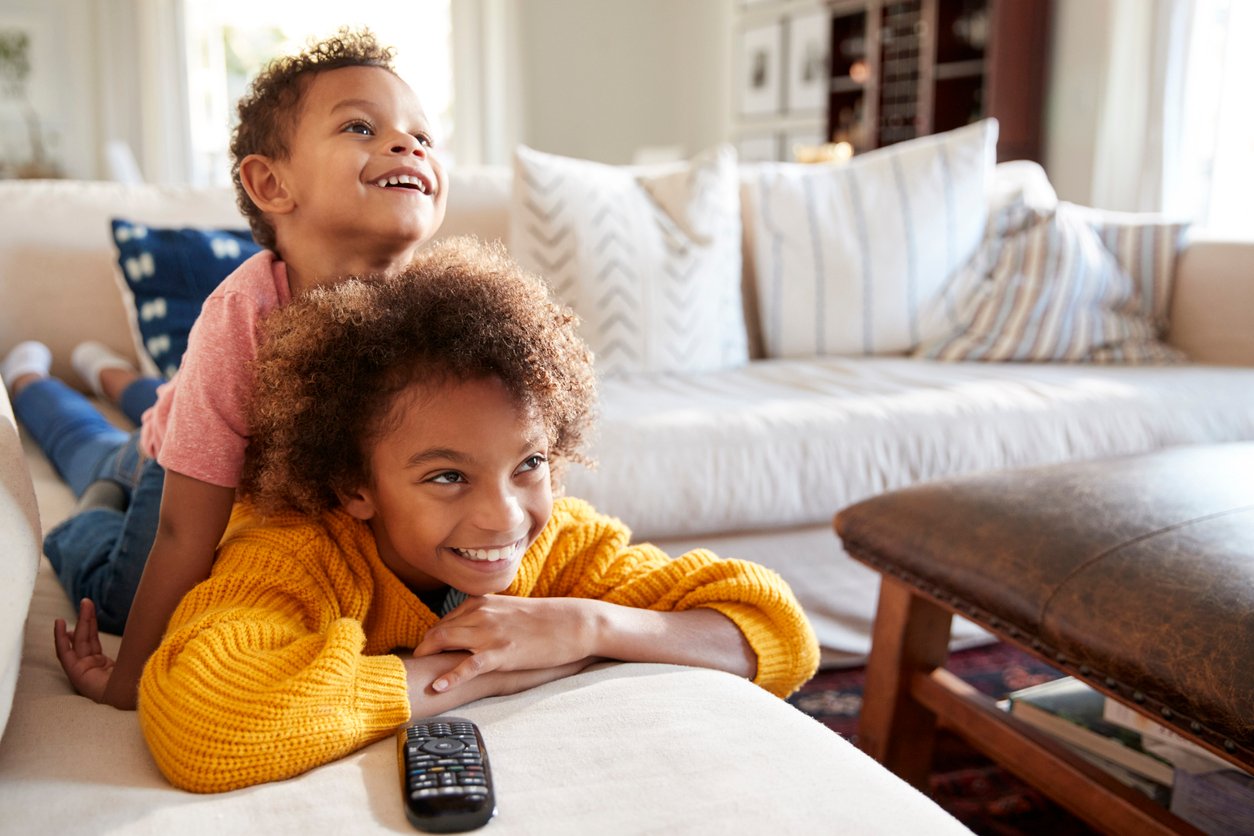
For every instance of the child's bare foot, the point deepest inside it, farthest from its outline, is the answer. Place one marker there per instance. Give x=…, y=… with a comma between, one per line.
x=26, y=362
x=105, y=371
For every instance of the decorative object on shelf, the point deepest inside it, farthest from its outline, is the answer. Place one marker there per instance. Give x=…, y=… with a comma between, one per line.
x=809, y=57
x=760, y=86
x=833, y=153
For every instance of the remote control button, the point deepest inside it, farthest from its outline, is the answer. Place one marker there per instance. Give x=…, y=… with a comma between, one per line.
x=443, y=746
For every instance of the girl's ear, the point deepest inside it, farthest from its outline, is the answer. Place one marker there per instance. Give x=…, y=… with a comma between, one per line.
x=262, y=179
x=357, y=502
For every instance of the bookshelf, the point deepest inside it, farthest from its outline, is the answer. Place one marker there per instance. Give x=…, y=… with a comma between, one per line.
x=906, y=68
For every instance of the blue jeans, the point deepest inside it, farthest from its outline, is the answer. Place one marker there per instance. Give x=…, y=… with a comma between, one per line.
x=98, y=553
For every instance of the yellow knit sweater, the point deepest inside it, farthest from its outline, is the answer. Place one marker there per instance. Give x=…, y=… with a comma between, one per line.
x=281, y=661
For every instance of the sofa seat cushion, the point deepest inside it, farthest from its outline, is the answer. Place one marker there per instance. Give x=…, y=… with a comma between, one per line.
x=789, y=442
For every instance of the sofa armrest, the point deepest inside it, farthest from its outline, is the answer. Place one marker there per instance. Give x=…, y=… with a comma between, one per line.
x=1212, y=304
x=19, y=552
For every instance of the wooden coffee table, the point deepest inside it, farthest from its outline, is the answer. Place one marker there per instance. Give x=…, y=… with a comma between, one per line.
x=1134, y=574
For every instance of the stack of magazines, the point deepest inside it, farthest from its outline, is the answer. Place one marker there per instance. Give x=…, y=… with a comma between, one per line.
x=1198, y=786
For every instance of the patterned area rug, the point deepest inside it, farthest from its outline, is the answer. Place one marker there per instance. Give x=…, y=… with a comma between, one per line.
x=977, y=792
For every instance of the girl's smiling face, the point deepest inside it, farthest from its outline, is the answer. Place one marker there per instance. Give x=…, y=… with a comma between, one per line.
x=459, y=485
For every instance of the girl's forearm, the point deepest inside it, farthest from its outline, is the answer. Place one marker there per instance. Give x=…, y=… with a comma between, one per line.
x=426, y=702
x=700, y=637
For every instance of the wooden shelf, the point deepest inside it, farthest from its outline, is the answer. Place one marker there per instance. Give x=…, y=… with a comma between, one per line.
x=933, y=65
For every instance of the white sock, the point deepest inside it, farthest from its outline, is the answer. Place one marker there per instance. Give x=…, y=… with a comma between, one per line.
x=89, y=359
x=30, y=357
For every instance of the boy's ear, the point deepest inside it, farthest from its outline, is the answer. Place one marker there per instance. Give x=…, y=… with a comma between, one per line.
x=357, y=502
x=262, y=180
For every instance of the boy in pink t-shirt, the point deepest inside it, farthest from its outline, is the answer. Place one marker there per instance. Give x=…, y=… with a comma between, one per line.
x=333, y=166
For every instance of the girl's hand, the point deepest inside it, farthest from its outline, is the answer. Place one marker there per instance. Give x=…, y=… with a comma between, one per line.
x=512, y=634
x=80, y=654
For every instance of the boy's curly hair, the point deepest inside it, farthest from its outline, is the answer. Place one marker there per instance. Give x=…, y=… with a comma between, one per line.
x=333, y=362
x=268, y=111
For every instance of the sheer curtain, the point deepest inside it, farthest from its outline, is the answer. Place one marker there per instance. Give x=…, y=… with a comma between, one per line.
x=487, y=98
x=1143, y=107
x=1214, y=182
x=141, y=85
x=1175, y=132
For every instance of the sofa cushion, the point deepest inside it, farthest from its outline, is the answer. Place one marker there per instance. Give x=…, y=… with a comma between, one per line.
x=846, y=257
x=648, y=257
x=789, y=442
x=1068, y=284
x=168, y=273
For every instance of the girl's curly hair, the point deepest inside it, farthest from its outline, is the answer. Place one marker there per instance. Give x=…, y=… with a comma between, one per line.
x=268, y=111
x=334, y=360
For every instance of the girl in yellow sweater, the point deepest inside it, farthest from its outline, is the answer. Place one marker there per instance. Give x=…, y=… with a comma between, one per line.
x=399, y=551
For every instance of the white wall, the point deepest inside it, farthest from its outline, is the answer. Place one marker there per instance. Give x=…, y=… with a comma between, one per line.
x=598, y=79
x=604, y=78
x=64, y=60
x=601, y=78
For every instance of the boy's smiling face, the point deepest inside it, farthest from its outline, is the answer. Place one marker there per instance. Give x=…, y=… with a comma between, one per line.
x=360, y=171
x=460, y=486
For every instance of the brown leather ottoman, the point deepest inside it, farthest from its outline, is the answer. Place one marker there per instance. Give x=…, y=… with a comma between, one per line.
x=1134, y=574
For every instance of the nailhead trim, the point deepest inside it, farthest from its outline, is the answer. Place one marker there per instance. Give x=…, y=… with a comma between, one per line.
x=998, y=625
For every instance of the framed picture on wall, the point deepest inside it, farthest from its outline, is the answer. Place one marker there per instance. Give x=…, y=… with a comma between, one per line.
x=759, y=68
x=808, y=62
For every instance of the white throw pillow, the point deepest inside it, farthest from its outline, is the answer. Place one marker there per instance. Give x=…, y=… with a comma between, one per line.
x=846, y=257
x=648, y=257
x=1069, y=284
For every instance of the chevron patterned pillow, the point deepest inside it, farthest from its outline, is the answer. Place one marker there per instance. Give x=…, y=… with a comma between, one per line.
x=847, y=257
x=648, y=257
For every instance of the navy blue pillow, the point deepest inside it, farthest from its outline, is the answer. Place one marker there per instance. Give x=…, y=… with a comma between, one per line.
x=170, y=272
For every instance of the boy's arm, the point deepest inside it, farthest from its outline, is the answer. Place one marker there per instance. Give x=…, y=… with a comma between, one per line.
x=194, y=515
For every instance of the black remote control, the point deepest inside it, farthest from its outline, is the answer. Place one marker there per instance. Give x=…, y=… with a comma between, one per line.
x=445, y=778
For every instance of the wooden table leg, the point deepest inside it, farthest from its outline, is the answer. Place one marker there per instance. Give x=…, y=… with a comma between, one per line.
x=911, y=635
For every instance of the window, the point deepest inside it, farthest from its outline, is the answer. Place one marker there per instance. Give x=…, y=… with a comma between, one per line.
x=227, y=41
x=1216, y=176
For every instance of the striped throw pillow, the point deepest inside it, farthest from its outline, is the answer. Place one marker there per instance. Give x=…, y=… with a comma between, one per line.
x=847, y=257
x=1072, y=284
x=648, y=257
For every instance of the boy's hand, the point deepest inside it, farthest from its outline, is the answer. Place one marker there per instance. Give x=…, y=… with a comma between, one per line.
x=80, y=654
x=511, y=634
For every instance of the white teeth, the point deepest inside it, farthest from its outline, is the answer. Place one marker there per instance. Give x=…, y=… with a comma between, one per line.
x=488, y=554
x=402, y=180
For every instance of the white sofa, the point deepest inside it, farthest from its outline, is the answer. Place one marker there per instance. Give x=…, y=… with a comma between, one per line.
x=752, y=462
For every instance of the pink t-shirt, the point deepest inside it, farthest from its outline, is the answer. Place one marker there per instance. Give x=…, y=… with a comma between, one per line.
x=198, y=426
